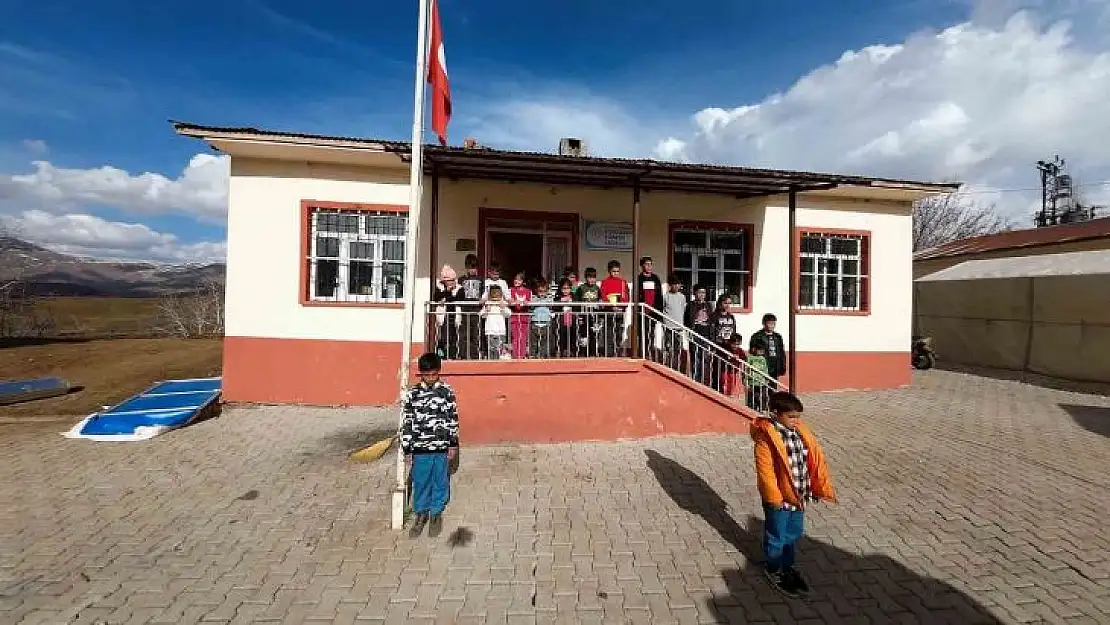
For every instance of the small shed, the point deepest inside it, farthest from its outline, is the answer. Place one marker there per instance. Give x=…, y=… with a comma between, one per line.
x=1047, y=314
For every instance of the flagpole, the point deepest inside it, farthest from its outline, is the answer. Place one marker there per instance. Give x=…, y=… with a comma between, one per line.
x=416, y=191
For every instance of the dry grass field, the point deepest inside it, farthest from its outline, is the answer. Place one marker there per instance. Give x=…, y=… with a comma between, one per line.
x=103, y=345
x=101, y=317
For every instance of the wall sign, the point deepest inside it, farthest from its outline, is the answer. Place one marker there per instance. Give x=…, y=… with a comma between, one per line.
x=607, y=235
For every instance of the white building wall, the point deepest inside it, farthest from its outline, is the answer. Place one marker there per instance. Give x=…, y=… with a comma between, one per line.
x=264, y=251
x=888, y=326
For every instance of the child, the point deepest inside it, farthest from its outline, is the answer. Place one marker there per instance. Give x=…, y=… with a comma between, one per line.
x=722, y=327
x=493, y=278
x=520, y=295
x=674, y=306
x=614, y=290
x=776, y=351
x=697, y=319
x=571, y=276
x=430, y=442
x=495, y=312
x=791, y=472
x=566, y=321
x=541, y=321
x=471, y=326
x=447, y=293
x=756, y=378
x=649, y=291
x=730, y=379
x=589, y=319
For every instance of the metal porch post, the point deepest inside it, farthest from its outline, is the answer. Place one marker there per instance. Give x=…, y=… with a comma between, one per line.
x=433, y=264
x=634, y=333
x=793, y=288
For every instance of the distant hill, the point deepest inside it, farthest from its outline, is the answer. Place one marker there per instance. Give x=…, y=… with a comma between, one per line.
x=47, y=273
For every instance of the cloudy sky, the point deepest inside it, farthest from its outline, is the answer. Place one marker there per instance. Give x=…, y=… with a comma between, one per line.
x=969, y=90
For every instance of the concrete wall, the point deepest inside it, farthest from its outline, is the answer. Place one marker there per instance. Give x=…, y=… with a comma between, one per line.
x=264, y=250
x=1056, y=326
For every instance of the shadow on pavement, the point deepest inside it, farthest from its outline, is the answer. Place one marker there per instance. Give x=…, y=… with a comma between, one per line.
x=847, y=587
x=1091, y=418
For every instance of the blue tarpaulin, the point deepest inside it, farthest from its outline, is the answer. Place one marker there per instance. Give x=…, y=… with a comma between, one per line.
x=164, y=406
x=38, y=388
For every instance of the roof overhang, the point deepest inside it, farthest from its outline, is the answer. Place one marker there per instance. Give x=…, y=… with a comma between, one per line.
x=508, y=166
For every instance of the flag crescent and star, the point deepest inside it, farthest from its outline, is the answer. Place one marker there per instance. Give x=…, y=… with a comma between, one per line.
x=437, y=78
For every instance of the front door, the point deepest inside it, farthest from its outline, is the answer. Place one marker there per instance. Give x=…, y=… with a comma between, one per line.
x=533, y=245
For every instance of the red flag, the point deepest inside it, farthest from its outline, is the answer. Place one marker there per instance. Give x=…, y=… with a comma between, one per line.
x=437, y=78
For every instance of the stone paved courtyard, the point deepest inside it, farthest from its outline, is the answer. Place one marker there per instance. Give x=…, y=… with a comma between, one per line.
x=963, y=500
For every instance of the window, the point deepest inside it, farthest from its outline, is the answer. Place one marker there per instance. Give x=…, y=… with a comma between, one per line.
x=832, y=271
x=714, y=256
x=356, y=255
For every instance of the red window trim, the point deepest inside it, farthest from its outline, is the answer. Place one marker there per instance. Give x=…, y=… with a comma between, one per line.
x=307, y=206
x=865, y=260
x=719, y=226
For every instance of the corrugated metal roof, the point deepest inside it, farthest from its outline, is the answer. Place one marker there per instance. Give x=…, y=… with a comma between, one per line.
x=546, y=167
x=1067, y=264
x=1017, y=239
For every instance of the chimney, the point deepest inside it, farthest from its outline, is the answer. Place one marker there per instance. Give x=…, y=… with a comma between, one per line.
x=571, y=146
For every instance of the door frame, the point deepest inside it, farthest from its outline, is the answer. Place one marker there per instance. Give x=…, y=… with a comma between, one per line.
x=487, y=214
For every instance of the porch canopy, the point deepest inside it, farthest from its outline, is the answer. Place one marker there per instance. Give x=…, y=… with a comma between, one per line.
x=647, y=175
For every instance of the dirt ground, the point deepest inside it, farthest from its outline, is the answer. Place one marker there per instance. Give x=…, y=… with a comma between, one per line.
x=109, y=370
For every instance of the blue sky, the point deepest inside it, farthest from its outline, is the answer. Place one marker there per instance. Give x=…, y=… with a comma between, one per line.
x=86, y=85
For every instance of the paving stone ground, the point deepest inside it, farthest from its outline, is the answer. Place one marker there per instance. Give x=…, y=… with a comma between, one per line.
x=963, y=500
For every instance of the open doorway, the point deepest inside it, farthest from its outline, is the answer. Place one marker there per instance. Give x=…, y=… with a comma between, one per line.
x=538, y=244
x=516, y=252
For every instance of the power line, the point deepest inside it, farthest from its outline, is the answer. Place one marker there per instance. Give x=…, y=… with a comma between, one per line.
x=1102, y=183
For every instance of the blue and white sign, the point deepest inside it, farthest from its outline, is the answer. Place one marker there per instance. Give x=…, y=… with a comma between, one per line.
x=607, y=235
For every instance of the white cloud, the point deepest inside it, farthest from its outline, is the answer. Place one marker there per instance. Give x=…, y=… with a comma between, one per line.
x=979, y=102
x=35, y=146
x=200, y=190
x=539, y=120
x=88, y=235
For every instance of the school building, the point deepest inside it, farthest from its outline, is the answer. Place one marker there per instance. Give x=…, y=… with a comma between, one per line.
x=315, y=267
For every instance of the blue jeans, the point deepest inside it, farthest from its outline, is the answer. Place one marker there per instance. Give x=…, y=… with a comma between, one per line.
x=431, y=483
x=781, y=530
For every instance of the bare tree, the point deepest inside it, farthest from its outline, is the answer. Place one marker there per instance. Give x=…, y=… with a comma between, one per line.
x=944, y=218
x=195, y=314
x=21, y=312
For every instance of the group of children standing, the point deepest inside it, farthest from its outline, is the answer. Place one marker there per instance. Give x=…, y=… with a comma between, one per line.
x=790, y=468
x=489, y=319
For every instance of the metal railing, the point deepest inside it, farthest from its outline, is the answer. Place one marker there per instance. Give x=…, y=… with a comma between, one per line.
x=666, y=341
x=546, y=330
x=477, y=331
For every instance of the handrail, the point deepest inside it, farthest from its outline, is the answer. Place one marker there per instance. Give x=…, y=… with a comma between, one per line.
x=708, y=344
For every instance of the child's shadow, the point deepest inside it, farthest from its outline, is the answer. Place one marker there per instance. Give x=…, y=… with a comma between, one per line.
x=845, y=585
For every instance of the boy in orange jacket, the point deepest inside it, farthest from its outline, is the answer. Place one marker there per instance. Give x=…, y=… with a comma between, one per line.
x=791, y=471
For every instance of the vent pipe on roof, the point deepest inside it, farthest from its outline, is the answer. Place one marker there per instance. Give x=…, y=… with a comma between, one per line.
x=570, y=146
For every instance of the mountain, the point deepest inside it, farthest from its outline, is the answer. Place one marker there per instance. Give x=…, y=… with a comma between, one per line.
x=44, y=272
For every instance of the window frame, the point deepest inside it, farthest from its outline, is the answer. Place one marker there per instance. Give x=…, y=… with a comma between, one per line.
x=864, y=236
x=308, y=257
x=710, y=227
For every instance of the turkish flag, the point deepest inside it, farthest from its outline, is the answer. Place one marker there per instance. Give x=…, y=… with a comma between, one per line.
x=437, y=78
